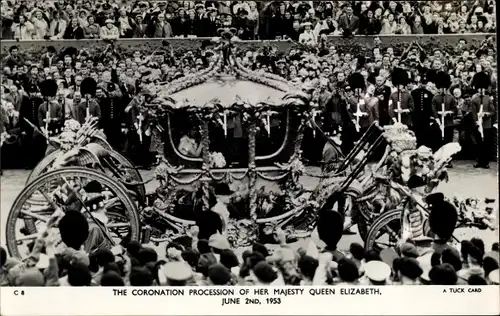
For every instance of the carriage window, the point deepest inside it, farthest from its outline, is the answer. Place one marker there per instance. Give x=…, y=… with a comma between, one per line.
x=272, y=136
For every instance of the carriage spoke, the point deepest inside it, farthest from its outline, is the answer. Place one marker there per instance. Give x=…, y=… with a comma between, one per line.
x=35, y=215
x=28, y=237
x=117, y=225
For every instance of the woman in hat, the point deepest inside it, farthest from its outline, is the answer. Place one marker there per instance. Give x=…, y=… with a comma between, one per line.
x=110, y=31
x=307, y=37
x=40, y=24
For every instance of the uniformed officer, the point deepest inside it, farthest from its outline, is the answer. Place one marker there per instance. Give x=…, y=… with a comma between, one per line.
x=422, y=114
x=362, y=107
x=401, y=104
x=50, y=112
x=383, y=93
x=444, y=108
x=377, y=273
x=483, y=112
x=88, y=107
x=138, y=129
x=175, y=273
x=33, y=144
x=112, y=115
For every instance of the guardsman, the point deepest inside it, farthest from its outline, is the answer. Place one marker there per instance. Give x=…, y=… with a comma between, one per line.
x=50, y=112
x=422, y=113
x=88, y=107
x=401, y=105
x=362, y=106
x=483, y=112
x=32, y=142
x=444, y=108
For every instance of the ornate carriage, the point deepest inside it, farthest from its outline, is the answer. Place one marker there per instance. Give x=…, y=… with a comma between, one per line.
x=246, y=130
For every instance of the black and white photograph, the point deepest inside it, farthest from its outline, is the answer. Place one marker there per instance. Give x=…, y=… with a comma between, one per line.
x=169, y=144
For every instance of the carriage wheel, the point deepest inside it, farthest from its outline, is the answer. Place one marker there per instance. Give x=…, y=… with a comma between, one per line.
x=122, y=163
x=384, y=231
x=42, y=166
x=32, y=209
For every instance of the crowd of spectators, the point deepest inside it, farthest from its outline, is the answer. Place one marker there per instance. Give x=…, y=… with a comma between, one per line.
x=132, y=71
x=112, y=19
x=194, y=261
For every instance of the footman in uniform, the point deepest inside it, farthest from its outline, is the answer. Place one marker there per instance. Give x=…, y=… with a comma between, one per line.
x=422, y=114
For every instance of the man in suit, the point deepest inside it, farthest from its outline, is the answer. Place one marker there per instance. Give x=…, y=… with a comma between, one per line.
x=161, y=28
x=483, y=106
x=212, y=23
x=422, y=114
x=348, y=22
x=200, y=21
x=14, y=96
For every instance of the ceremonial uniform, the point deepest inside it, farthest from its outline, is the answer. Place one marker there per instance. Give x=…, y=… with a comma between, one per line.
x=56, y=118
x=384, y=92
x=138, y=138
x=422, y=115
x=93, y=110
x=450, y=104
x=33, y=143
x=369, y=107
x=112, y=113
x=488, y=130
x=406, y=103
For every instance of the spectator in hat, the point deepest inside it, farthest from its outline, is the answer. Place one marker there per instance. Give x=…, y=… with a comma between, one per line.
x=307, y=37
x=139, y=27
x=493, y=277
x=40, y=24
x=175, y=274
x=376, y=273
x=110, y=31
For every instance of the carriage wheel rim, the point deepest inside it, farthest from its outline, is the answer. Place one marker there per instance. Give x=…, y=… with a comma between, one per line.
x=117, y=189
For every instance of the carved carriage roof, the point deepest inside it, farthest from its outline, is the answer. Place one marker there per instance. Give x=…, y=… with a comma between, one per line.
x=228, y=83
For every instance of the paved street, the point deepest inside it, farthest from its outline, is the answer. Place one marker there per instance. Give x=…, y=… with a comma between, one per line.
x=464, y=181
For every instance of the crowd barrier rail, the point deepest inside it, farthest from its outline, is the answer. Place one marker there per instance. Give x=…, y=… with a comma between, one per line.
x=366, y=42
